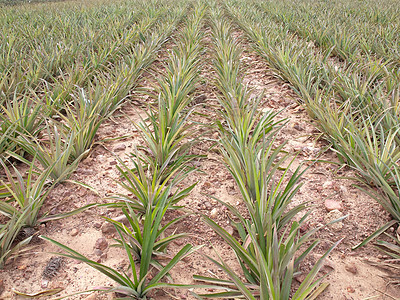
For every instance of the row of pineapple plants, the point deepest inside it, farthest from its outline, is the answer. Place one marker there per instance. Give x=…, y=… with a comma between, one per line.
x=48, y=51
x=153, y=174
x=100, y=92
x=270, y=247
x=53, y=144
x=330, y=27
x=358, y=114
x=374, y=12
x=353, y=52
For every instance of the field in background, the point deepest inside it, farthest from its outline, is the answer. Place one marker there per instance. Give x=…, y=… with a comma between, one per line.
x=186, y=149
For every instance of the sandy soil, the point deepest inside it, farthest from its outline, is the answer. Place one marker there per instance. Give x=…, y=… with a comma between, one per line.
x=350, y=277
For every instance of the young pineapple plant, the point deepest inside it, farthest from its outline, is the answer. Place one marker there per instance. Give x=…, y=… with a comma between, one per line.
x=137, y=181
x=144, y=240
x=21, y=202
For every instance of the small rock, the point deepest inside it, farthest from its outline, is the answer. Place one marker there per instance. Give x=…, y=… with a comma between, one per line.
x=97, y=225
x=352, y=268
x=206, y=185
x=101, y=244
x=298, y=127
x=179, y=242
x=300, y=278
x=98, y=252
x=329, y=263
x=74, y=232
x=326, y=263
x=200, y=98
x=85, y=171
x=332, y=205
x=304, y=227
x=324, y=245
x=113, y=163
x=212, y=191
x=311, y=150
x=214, y=213
x=91, y=297
x=121, y=219
x=333, y=215
x=207, y=205
x=231, y=192
x=350, y=289
x=108, y=228
x=327, y=185
x=120, y=147
x=229, y=229
x=343, y=189
x=197, y=164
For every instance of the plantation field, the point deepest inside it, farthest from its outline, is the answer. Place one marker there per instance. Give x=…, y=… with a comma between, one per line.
x=189, y=149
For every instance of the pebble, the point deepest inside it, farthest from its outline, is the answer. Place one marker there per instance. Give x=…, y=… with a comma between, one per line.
x=327, y=185
x=298, y=127
x=197, y=164
x=74, y=232
x=206, y=185
x=207, y=205
x=352, y=268
x=300, y=278
x=98, y=252
x=212, y=191
x=85, y=171
x=108, y=229
x=101, y=244
x=113, y=163
x=311, y=150
x=91, y=297
x=229, y=229
x=332, y=205
x=179, y=242
x=304, y=227
x=333, y=215
x=350, y=289
x=214, y=213
x=120, y=147
x=97, y=225
x=327, y=262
